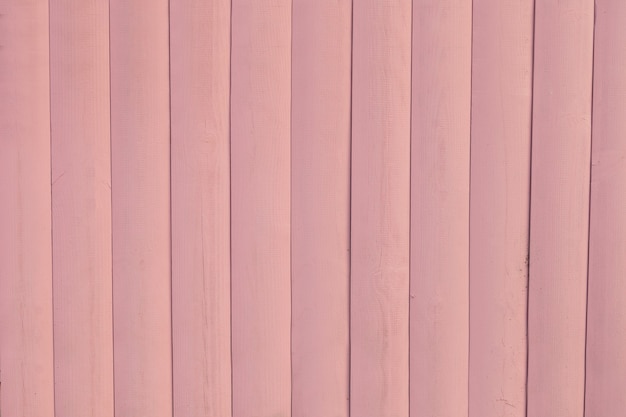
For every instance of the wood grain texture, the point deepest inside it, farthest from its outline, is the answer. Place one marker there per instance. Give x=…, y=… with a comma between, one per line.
x=440, y=157
x=606, y=311
x=260, y=207
x=381, y=101
x=320, y=201
x=499, y=206
x=559, y=207
x=81, y=207
x=141, y=207
x=200, y=81
x=26, y=351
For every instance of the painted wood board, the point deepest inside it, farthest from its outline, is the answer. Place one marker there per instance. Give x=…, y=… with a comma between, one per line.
x=140, y=136
x=260, y=207
x=320, y=207
x=379, y=305
x=561, y=141
x=81, y=207
x=200, y=89
x=606, y=313
x=440, y=171
x=26, y=346
x=502, y=45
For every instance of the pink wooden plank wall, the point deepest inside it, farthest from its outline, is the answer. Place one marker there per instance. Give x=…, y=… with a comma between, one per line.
x=559, y=207
x=606, y=309
x=379, y=305
x=140, y=157
x=81, y=207
x=312, y=208
x=502, y=46
x=26, y=347
x=320, y=207
x=200, y=202
x=260, y=197
x=440, y=160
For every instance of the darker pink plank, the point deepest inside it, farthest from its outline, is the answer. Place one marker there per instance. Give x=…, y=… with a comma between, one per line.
x=499, y=207
x=260, y=200
x=141, y=207
x=379, y=316
x=606, y=320
x=26, y=351
x=81, y=208
x=320, y=201
x=559, y=207
x=440, y=157
x=200, y=65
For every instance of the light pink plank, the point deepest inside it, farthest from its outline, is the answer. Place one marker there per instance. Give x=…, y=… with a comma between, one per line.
x=320, y=204
x=499, y=207
x=141, y=207
x=26, y=352
x=440, y=144
x=606, y=311
x=559, y=207
x=81, y=207
x=379, y=316
x=200, y=65
x=260, y=200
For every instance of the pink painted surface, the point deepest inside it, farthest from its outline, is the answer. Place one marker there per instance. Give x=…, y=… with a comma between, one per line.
x=320, y=207
x=200, y=65
x=559, y=207
x=500, y=190
x=440, y=157
x=26, y=352
x=260, y=207
x=140, y=136
x=606, y=311
x=379, y=305
x=81, y=208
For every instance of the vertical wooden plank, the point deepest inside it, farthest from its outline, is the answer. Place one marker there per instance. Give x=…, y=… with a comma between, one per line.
x=81, y=207
x=320, y=198
x=260, y=207
x=141, y=207
x=499, y=206
x=200, y=79
x=606, y=314
x=559, y=207
x=26, y=352
x=440, y=156
x=381, y=76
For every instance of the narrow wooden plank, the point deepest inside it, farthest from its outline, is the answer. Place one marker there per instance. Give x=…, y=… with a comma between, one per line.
x=141, y=207
x=26, y=351
x=381, y=101
x=440, y=156
x=559, y=207
x=499, y=206
x=200, y=79
x=606, y=314
x=260, y=207
x=320, y=214
x=81, y=207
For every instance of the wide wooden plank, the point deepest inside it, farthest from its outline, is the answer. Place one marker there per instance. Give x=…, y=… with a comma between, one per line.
x=81, y=207
x=320, y=201
x=260, y=207
x=559, y=207
x=379, y=310
x=26, y=351
x=200, y=65
x=606, y=311
x=499, y=206
x=440, y=157
x=141, y=207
